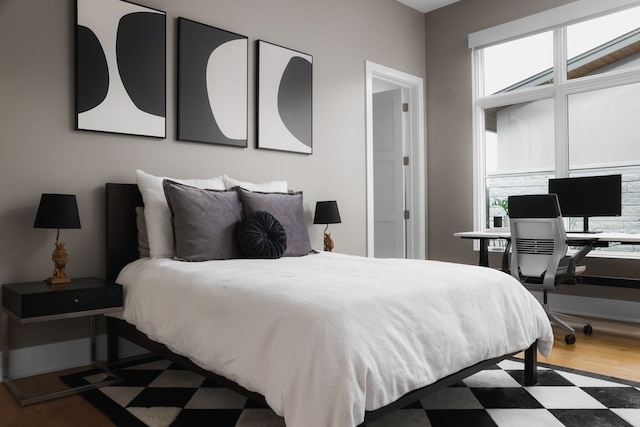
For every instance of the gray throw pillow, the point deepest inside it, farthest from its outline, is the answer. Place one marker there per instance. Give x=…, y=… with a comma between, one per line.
x=204, y=222
x=287, y=209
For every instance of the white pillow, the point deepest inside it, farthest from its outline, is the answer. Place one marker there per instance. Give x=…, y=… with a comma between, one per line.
x=156, y=210
x=263, y=187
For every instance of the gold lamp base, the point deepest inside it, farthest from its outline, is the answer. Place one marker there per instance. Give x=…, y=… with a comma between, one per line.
x=328, y=242
x=60, y=259
x=58, y=281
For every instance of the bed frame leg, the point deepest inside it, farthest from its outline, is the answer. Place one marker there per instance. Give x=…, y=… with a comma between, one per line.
x=531, y=364
x=112, y=342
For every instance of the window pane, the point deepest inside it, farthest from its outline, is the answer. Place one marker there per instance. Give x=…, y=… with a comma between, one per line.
x=628, y=222
x=608, y=43
x=520, y=138
x=604, y=127
x=499, y=188
x=517, y=64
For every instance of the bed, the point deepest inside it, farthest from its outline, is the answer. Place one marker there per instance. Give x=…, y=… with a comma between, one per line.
x=335, y=369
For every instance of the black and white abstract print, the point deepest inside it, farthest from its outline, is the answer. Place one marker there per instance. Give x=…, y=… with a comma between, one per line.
x=212, y=84
x=284, y=99
x=120, y=68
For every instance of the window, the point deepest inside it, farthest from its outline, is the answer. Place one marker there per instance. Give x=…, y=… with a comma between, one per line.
x=602, y=44
x=519, y=137
x=528, y=58
x=559, y=102
x=604, y=129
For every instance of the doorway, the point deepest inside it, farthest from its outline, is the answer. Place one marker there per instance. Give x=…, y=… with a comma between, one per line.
x=389, y=173
x=396, y=202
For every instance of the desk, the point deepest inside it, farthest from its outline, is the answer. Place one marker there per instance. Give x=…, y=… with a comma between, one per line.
x=573, y=239
x=505, y=233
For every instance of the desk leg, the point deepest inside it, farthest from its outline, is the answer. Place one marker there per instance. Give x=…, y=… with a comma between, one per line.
x=484, y=252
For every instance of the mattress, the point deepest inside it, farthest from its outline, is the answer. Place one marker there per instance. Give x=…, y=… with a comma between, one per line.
x=327, y=336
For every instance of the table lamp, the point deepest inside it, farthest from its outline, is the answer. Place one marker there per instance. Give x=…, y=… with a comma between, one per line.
x=327, y=213
x=58, y=211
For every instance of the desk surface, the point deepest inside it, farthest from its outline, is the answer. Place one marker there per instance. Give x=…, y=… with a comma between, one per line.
x=504, y=233
x=577, y=239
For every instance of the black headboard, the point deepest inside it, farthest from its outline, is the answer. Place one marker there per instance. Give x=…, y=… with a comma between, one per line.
x=122, y=233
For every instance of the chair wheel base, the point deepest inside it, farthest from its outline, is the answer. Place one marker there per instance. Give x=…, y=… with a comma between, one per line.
x=588, y=329
x=570, y=339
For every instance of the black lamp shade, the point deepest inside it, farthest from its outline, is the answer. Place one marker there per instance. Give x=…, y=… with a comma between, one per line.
x=57, y=211
x=327, y=213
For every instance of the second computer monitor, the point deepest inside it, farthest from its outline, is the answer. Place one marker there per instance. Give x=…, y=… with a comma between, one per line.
x=588, y=196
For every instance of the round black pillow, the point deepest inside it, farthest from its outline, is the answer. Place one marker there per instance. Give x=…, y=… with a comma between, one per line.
x=260, y=235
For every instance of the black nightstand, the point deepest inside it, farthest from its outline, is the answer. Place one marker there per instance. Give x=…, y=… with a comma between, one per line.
x=40, y=302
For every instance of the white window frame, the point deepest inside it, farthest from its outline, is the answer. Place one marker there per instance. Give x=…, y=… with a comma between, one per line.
x=556, y=20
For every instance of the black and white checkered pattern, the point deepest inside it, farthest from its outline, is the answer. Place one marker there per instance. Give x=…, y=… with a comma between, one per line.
x=159, y=393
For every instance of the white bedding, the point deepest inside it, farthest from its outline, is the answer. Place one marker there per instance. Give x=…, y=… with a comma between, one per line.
x=325, y=337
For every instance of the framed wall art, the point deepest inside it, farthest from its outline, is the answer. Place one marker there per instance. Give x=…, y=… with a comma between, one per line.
x=284, y=99
x=120, y=68
x=212, y=84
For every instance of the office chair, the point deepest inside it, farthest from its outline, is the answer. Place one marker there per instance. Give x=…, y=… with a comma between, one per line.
x=538, y=248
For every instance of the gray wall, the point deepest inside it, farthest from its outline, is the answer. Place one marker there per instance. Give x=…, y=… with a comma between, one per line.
x=42, y=153
x=449, y=132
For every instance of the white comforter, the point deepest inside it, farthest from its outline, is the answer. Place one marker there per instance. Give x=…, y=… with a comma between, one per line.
x=325, y=337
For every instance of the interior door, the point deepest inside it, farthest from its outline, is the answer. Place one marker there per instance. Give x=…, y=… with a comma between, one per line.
x=388, y=175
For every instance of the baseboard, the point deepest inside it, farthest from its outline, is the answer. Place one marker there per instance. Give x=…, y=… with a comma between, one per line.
x=611, y=309
x=25, y=362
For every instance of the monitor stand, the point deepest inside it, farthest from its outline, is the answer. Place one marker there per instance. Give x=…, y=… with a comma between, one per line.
x=585, y=222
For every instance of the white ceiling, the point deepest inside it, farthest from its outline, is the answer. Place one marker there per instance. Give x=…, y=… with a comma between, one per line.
x=425, y=6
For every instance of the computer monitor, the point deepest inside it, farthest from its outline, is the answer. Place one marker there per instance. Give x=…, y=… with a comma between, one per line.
x=588, y=196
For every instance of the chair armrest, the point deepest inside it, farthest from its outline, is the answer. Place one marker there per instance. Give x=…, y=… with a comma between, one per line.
x=579, y=256
x=570, y=274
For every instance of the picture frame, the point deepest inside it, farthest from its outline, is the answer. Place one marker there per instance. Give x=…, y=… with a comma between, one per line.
x=285, y=99
x=212, y=84
x=120, y=68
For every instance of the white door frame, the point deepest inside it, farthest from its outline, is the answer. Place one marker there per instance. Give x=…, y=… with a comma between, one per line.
x=416, y=200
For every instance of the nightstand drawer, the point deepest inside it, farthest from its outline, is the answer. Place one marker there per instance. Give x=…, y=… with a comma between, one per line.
x=70, y=301
x=37, y=299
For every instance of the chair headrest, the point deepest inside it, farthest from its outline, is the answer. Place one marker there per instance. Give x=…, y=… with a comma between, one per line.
x=534, y=206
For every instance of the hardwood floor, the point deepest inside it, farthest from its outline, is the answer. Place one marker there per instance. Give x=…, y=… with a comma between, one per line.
x=613, y=350
x=72, y=411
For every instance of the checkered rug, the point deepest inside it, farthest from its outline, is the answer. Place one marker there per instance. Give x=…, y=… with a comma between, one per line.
x=160, y=393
